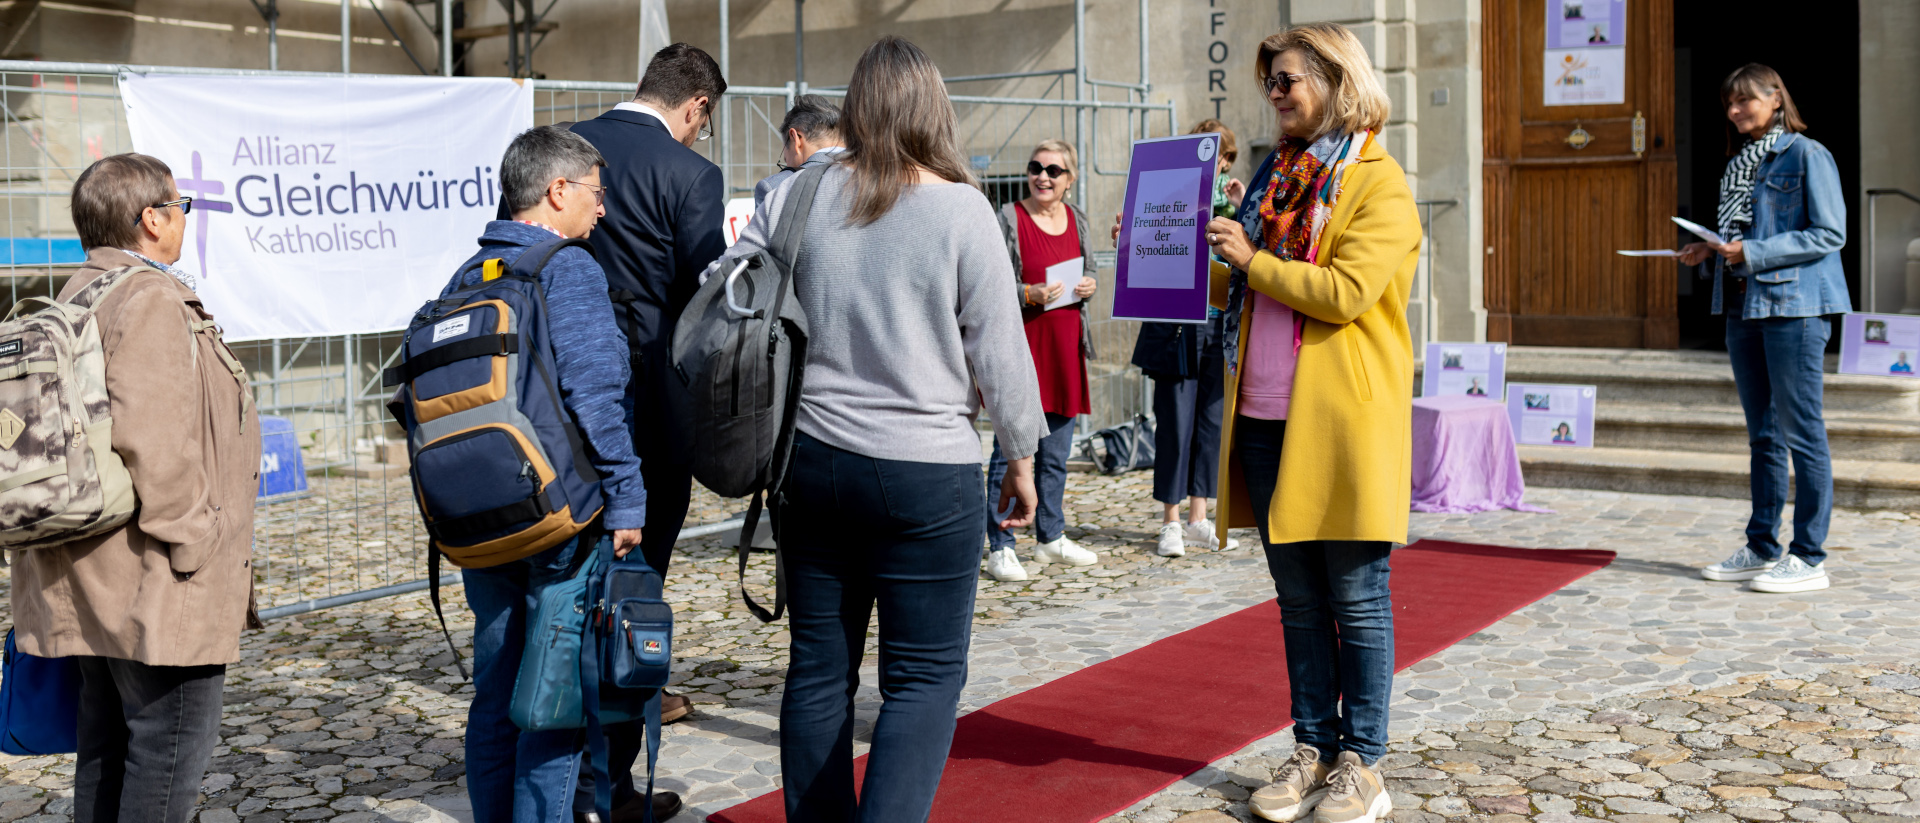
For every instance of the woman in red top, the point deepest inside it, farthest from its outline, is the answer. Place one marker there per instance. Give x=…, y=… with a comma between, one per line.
x=1044, y=232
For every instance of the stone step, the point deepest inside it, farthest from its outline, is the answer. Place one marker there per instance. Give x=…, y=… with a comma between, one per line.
x=1722, y=431
x=1694, y=380
x=1861, y=484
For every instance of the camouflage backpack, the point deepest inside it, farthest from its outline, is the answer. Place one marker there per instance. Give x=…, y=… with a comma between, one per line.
x=60, y=479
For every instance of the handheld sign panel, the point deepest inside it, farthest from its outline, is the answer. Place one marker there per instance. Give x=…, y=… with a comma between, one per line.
x=1882, y=344
x=1163, y=230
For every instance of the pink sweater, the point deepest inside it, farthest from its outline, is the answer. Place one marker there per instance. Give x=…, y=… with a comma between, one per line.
x=1266, y=379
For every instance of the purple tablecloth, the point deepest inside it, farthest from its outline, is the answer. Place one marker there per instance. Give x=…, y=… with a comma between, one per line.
x=1463, y=457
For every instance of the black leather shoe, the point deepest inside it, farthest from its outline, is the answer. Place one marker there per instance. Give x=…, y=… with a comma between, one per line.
x=666, y=804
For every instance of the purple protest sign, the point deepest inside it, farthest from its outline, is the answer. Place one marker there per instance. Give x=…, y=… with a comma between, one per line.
x=1551, y=415
x=1163, y=244
x=1586, y=24
x=1882, y=344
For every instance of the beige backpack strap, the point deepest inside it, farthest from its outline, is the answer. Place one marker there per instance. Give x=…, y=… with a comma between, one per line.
x=232, y=363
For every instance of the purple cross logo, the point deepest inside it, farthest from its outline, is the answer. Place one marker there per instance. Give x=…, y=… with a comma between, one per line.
x=198, y=186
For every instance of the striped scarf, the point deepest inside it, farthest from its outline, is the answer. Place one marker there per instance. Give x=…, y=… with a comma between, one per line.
x=1736, y=184
x=1291, y=210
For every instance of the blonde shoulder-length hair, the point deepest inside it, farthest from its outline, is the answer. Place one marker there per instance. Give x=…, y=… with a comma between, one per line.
x=1338, y=66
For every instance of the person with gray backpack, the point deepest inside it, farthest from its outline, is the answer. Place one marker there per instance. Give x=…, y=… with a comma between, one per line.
x=129, y=457
x=912, y=323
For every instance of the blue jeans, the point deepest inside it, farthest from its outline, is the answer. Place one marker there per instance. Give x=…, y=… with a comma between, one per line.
x=522, y=777
x=1049, y=480
x=855, y=532
x=1777, y=366
x=1336, y=614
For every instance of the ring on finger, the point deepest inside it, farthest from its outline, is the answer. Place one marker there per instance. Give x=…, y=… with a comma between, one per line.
x=1213, y=238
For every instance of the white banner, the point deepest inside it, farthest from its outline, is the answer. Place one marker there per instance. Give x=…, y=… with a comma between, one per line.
x=327, y=205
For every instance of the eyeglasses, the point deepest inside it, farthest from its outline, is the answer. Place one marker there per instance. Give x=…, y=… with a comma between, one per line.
x=1050, y=170
x=185, y=204
x=1283, y=82
x=599, y=192
x=706, y=128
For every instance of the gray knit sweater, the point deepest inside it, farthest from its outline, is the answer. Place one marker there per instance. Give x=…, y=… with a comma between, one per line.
x=913, y=321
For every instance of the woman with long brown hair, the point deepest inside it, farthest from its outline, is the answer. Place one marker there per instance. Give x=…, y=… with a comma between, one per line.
x=910, y=301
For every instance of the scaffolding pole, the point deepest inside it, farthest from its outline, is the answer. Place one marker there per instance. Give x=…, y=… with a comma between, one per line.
x=726, y=111
x=1080, y=89
x=446, y=37
x=346, y=36
x=799, y=46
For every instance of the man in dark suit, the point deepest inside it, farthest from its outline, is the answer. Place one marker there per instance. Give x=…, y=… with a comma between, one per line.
x=666, y=209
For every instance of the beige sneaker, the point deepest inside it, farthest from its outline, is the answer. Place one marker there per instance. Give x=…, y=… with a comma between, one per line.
x=1355, y=794
x=1296, y=788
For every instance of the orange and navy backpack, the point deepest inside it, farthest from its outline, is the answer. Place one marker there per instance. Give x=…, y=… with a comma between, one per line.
x=499, y=470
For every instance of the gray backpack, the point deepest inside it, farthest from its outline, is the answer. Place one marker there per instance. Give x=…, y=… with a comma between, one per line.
x=737, y=357
x=60, y=479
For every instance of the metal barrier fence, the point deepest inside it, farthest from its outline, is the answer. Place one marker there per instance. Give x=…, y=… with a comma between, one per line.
x=355, y=533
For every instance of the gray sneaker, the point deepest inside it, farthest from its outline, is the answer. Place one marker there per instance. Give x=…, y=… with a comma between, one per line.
x=1790, y=575
x=1743, y=565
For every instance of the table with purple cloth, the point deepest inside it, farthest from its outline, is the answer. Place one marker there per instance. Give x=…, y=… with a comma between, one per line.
x=1464, y=458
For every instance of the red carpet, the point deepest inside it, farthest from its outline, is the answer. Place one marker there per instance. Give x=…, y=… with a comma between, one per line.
x=1091, y=743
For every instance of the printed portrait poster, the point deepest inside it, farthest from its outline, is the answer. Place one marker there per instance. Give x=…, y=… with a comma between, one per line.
x=1470, y=369
x=327, y=205
x=1545, y=414
x=1585, y=62
x=1163, y=250
x=1887, y=345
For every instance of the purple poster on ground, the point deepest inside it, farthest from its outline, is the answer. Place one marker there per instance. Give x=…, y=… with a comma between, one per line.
x=1546, y=414
x=1163, y=251
x=1882, y=344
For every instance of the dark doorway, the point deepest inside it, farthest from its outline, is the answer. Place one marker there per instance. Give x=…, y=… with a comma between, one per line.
x=1710, y=41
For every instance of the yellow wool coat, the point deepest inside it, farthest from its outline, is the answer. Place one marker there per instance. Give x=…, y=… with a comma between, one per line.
x=1346, y=464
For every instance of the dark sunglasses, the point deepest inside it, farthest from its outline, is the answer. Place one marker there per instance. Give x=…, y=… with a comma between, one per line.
x=185, y=204
x=1283, y=82
x=1053, y=171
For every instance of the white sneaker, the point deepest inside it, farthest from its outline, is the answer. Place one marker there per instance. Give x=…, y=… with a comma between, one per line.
x=1172, y=542
x=1202, y=533
x=1790, y=575
x=1005, y=566
x=1065, y=551
x=1742, y=565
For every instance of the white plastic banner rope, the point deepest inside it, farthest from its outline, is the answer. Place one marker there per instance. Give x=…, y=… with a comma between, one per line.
x=327, y=205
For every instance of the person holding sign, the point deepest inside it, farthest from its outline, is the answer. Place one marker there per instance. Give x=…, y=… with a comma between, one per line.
x=1053, y=268
x=1777, y=277
x=1319, y=390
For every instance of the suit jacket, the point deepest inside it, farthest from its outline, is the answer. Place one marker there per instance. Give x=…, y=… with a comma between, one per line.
x=666, y=210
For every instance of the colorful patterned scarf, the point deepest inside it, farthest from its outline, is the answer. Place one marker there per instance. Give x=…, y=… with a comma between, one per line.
x=1286, y=215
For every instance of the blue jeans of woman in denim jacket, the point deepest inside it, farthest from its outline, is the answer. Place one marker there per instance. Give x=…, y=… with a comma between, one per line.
x=1777, y=304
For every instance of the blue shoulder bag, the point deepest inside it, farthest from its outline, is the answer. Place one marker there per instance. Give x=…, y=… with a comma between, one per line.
x=599, y=649
x=39, y=703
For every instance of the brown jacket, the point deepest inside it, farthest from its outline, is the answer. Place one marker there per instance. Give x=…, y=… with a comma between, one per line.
x=174, y=586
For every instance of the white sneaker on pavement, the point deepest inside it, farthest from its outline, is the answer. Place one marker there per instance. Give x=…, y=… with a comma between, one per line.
x=1172, y=541
x=1790, y=575
x=1063, y=550
x=1202, y=533
x=1743, y=564
x=1005, y=566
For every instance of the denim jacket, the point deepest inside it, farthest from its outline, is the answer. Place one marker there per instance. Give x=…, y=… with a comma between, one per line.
x=1799, y=227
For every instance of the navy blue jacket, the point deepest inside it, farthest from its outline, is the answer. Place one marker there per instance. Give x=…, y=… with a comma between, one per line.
x=666, y=220
x=1799, y=227
x=588, y=354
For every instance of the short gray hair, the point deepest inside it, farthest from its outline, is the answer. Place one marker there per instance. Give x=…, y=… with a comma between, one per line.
x=537, y=156
x=814, y=116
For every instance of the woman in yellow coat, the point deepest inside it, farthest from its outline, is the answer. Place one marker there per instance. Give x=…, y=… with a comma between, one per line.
x=1319, y=393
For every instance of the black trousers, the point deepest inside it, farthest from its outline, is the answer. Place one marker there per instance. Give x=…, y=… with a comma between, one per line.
x=146, y=735
x=1186, y=440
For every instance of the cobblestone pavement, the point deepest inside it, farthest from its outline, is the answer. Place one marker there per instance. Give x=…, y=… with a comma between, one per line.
x=1639, y=690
